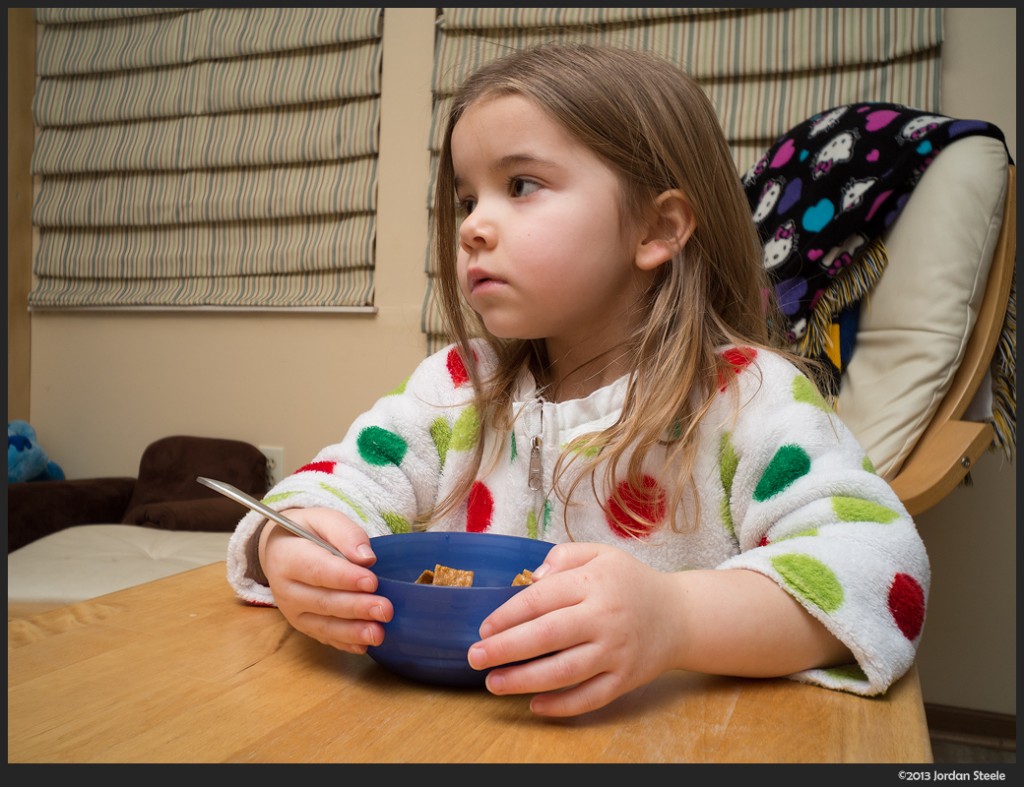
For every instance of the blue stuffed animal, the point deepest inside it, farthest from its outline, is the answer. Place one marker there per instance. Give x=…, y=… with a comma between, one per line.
x=26, y=459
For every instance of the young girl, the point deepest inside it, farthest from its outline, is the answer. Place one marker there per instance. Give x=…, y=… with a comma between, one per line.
x=612, y=388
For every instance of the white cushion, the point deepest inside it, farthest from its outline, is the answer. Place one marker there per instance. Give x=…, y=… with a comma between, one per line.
x=86, y=561
x=915, y=323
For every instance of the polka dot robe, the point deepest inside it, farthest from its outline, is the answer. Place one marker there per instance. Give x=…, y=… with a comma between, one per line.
x=785, y=490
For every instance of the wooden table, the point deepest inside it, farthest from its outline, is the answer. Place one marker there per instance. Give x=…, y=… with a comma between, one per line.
x=178, y=670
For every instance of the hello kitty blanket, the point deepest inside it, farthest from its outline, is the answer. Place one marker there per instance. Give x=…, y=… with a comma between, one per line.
x=823, y=195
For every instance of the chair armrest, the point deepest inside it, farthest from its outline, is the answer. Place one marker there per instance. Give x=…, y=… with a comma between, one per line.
x=214, y=515
x=939, y=462
x=38, y=508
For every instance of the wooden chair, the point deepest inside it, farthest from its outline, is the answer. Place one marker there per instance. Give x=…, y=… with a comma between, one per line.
x=930, y=328
x=949, y=446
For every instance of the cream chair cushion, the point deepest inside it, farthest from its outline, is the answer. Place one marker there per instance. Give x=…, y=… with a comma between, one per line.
x=915, y=323
x=86, y=561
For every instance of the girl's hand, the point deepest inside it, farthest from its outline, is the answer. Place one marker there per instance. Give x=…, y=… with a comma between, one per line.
x=599, y=615
x=330, y=599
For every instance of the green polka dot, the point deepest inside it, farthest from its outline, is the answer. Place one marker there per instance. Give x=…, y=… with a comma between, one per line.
x=847, y=672
x=396, y=522
x=854, y=509
x=725, y=513
x=466, y=430
x=811, y=531
x=789, y=463
x=728, y=461
x=588, y=449
x=278, y=497
x=441, y=434
x=810, y=579
x=327, y=488
x=675, y=431
x=586, y=446
x=804, y=391
x=379, y=447
x=400, y=389
x=515, y=450
x=532, y=530
x=867, y=464
x=345, y=499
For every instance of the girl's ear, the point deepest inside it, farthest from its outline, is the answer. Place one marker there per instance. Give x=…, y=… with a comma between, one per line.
x=669, y=230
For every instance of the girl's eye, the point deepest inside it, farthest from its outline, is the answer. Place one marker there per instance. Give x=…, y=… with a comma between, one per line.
x=466, y=206
x=521, y=187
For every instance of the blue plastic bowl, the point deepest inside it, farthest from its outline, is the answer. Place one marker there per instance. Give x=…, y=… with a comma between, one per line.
x=433, y=626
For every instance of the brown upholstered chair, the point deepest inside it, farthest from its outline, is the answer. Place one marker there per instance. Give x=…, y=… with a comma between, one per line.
x=73, y=540
x=164, y=495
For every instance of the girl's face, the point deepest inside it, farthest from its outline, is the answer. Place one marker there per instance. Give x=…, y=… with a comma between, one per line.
x=541, y=252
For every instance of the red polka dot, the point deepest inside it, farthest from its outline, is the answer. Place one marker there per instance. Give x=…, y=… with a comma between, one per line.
x=456, y=368
x=317, y=467
x=479, y=508
x=648, y=503
x=906, y=605
x=739, y=358
x=764, y=541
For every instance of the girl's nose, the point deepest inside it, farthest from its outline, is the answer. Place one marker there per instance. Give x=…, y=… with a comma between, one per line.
x=476, y=230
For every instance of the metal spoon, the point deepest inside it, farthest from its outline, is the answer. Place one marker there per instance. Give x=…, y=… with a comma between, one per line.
x=249, y=501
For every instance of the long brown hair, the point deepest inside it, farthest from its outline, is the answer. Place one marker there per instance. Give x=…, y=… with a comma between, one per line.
x=657, y=130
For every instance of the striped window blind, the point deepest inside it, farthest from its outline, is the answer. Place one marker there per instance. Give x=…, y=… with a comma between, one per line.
x=214, y=158
x=765, y=70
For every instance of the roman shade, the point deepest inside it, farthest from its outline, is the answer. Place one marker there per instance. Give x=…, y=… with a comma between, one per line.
x=214, y=158
x=764, y=69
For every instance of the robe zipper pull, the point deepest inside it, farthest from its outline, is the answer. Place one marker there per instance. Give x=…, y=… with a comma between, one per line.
x=535, y=463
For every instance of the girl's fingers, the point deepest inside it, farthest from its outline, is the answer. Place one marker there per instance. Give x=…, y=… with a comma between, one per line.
x=329, y=598
x=347, y=621
x=354, y=544
x=352, y=636
x=556, y=586
x=298, y=558
x=550, y=672
x=563, y=557
x=341, y=604
x=335, y=528
x=531, y=604
x=590, y=695
x=548, y=633
x=566, y=683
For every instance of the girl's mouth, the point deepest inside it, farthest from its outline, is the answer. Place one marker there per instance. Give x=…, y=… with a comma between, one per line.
x=481, y=281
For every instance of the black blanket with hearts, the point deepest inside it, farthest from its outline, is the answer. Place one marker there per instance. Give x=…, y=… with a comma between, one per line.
x=822, y=196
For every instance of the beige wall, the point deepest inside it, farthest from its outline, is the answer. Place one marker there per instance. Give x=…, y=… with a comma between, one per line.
x=968, y=652
x=106, y=385
x=20, y=85
x=103, y=386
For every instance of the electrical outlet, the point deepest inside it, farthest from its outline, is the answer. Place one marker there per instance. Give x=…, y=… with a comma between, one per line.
x=275, y=462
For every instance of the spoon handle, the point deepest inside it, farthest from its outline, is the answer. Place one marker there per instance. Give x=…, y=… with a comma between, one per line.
x=249, y=501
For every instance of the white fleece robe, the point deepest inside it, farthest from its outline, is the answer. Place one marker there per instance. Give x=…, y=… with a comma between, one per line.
x=785, y=490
